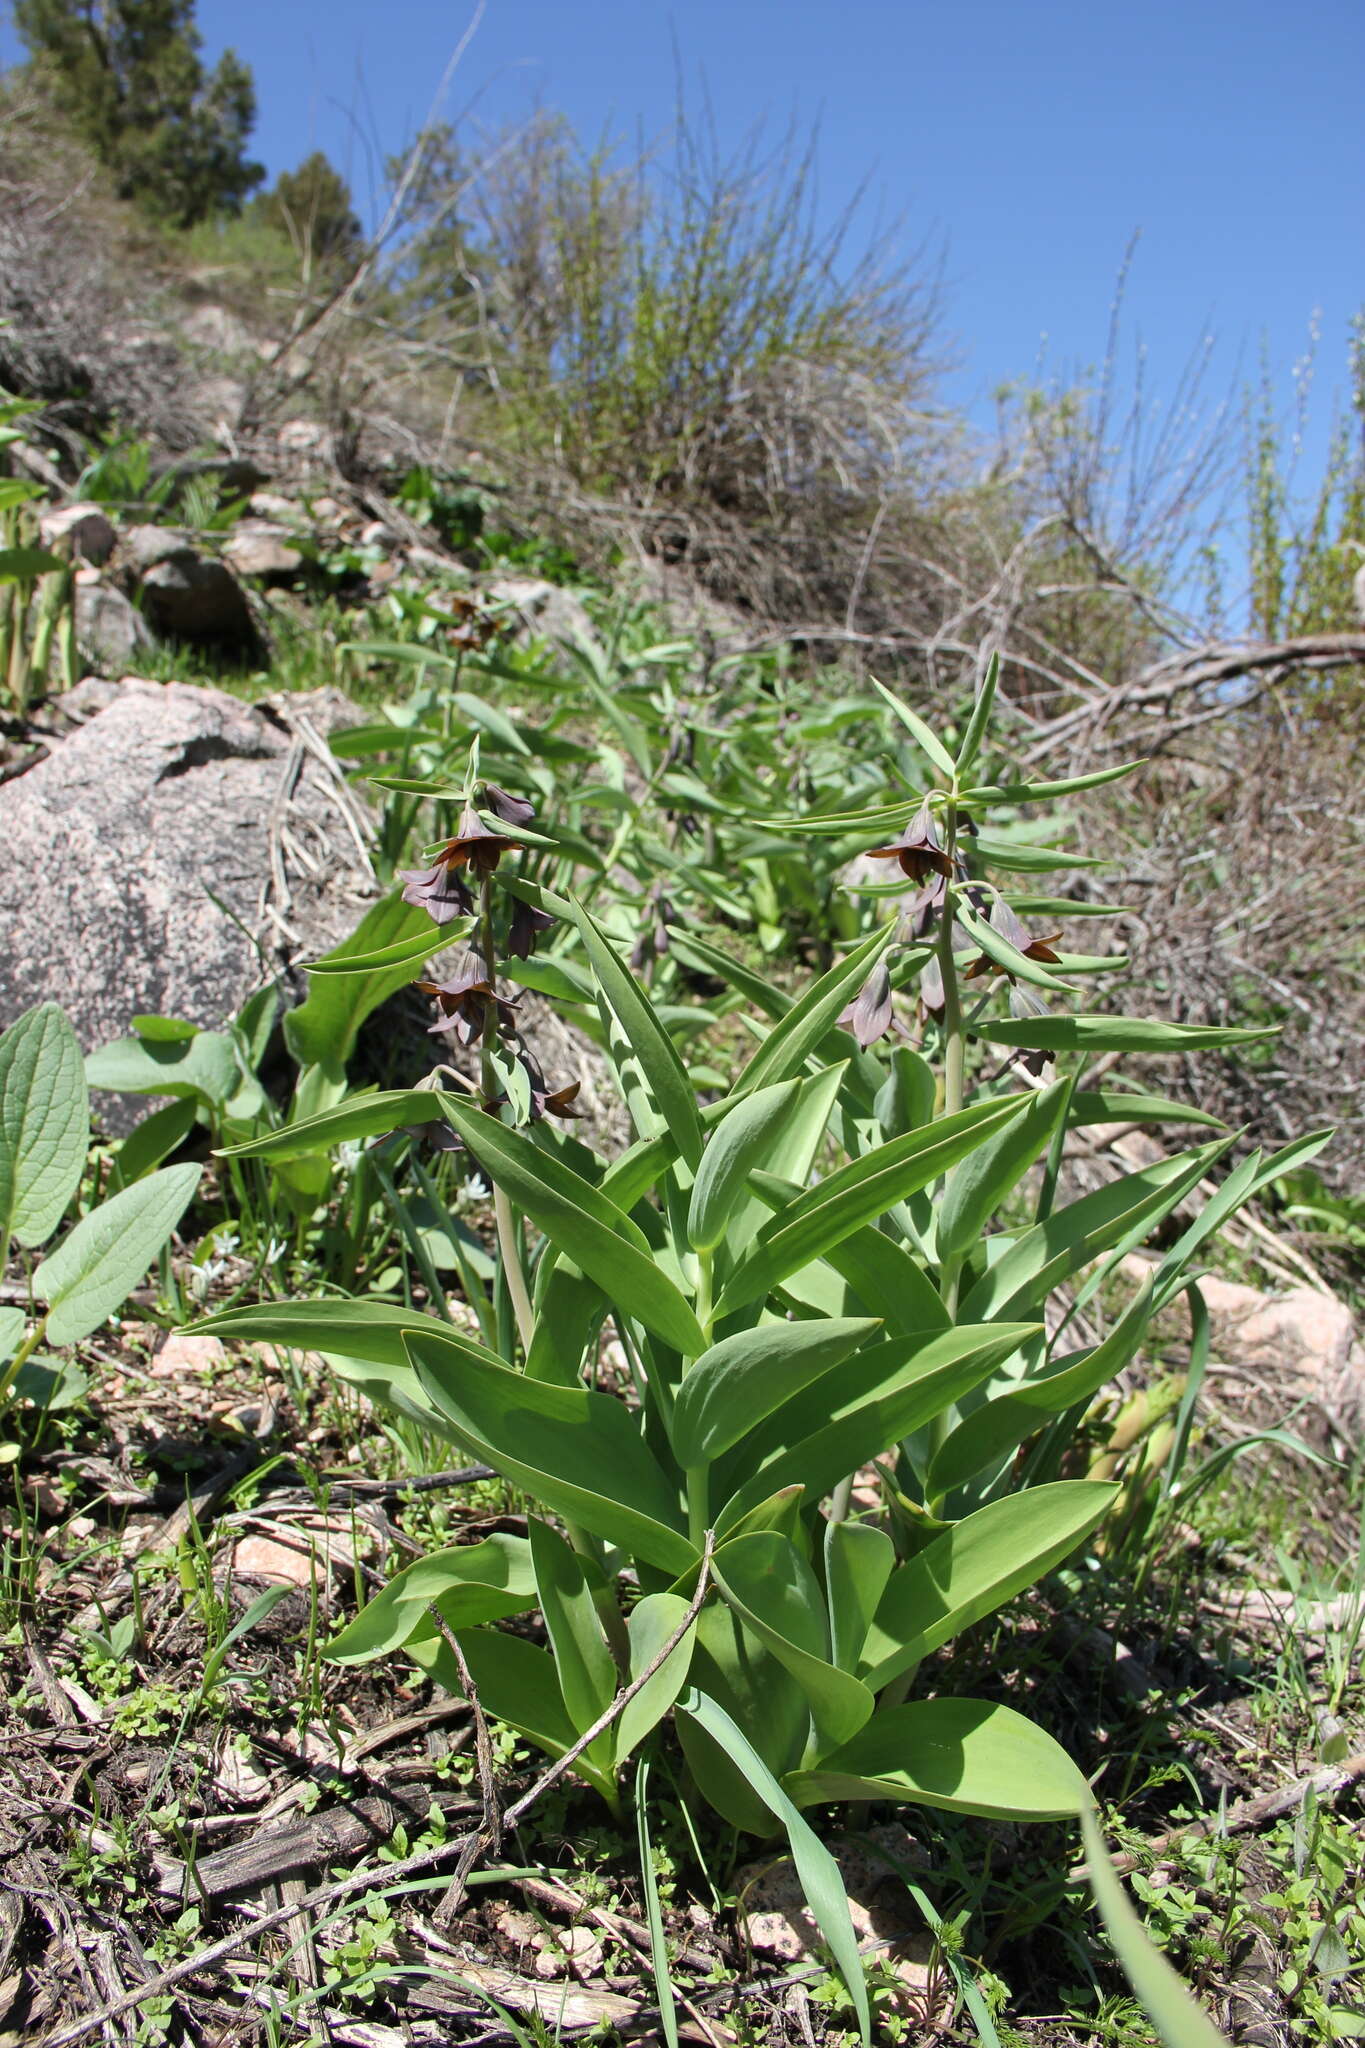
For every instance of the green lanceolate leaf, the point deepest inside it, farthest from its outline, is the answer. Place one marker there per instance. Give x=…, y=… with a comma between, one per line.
x=584, y=1224
x=857, y=1194
x=981, y=1182
x=406, y=953
x=516, y=1683
x=1047, y=792
x=774, y=1592
x=371, y=1330
x=740, y=1381
x=44, y=1124
x=1122, y=1106
x=739, y=1141
x=963, y=1756
x=858, y=1562
x=653, y=1621
x=360, y=1117
x=871, y=1401
x=587, y=1676
x=925, y=738
x=474, y=1583
x=1068, y=1239
x=817, y=1869
x=1018, y=857
x=322, y=1031
x=97, y=1264
x=1178, y=2020
x=577, y=1451
x=1117, y=1034
x=979, y=722
x=664, y=1075
x=992, y=1431
x=976, y=1567
x=153, y=1140
x=809, y=1021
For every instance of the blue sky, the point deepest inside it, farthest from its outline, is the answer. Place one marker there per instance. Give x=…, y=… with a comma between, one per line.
x=1030, y=143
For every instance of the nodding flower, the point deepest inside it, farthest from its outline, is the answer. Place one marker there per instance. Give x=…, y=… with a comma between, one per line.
x=919, y=849
x=870, y=1016
x=526, y=927
x=513, y=810
x=1024, y=1003
x=474, y=845
x=463, y=1004
x=439, y=891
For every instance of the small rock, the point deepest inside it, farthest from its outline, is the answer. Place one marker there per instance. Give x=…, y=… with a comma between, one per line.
x=237, y=1780
x=270, y=505
x=776, y=1921
x=314, y=1550
x=145, y=546
x=308, y=437
x=377, y=535
x=110, y=632
x=1306, y=1335
x=88, y=529
x=190, y=599
x=326, y=512
x=546, y=611
x=575, y=1948
x=264, y=551
x=185, y=1351
x=214, y=327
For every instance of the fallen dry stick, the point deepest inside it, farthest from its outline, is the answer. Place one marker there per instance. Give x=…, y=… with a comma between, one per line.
x=1246, y=1814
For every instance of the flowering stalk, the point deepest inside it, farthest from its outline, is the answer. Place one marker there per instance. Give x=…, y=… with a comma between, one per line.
x=509, y=1244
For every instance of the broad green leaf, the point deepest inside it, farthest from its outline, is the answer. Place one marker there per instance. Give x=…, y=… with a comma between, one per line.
x=153, y=1140
x=44, y=1124
x=584, y=1224
x=858, y=1562
x=990, y=1432
x=587, y=1676
x=369, y=1330
x=652, y=1621
x=771, y=1001
x=1241, y=1186
x=887, y=1280
x=1070, y=1237
x=817, y=1869
x=97, y=1265
x=976, y=1567
x=361, y=1116
x=25, y=564
x=963, y=1756
x=1117, y=1034
x=857, y=1194
x=204, y=1067
x=740, y=1381
x=738, y=1142
x=577, y=1451
x=880, y=1396
x=664, y=1077
x=923, y=735
x=322, y=1031
x=792, y=1150
x=164, y=1030
x=808, y=1022
x=12, y=1321
x=516, y=1682
x=1180, y=2022
x=774, y=1592
x=732, y=1666
x=981, y=1182
x=473, y=1583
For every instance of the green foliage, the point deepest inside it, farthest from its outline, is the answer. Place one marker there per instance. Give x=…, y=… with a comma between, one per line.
x=131, y=77
x=312, y=207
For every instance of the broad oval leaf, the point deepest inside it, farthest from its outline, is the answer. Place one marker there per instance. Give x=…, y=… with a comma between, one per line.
x=576, y=1450
x=963, y=1756
x=472, y=1583
x=204, y=1067
x=980, y=1183
x=739, y=1142
x=653, y=1621
x=976, y=1567
x=322, y=1030
x=97, y=1264
x=774, y=1592
x=858, y=1562
x=587, y=1675
x=740, y=1381
x=44, y=1124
